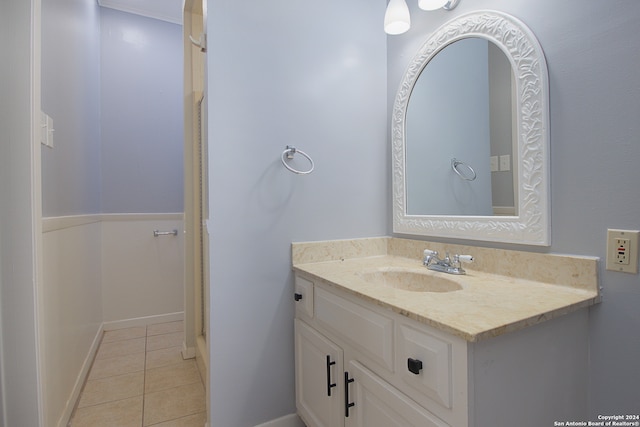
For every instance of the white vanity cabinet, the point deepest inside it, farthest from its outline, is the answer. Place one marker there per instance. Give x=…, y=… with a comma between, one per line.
x=362, y=365
x=327, y=389
x=349, y=369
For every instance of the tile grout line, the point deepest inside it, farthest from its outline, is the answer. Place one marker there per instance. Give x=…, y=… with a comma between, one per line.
x=144, y=370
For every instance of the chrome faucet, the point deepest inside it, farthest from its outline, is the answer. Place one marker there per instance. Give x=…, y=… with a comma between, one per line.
x=447, y=265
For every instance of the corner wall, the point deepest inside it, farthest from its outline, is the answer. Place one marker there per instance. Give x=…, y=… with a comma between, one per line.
x=309, y=74
x=71, y=300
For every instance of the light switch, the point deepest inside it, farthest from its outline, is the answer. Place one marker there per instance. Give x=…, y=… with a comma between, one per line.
x=494, y=164
x=46, y=126
x=50, y=131
x=505, y=162
x=43, y=128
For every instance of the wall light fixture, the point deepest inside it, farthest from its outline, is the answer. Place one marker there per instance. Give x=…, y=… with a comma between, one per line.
x=397, y=19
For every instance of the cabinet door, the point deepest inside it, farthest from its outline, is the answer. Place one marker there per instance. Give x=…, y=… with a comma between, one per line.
x=319, y=367
x=378, y=404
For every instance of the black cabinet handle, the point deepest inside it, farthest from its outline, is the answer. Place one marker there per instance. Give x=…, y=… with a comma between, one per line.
x=414, y=365
x=297, y=296
x=347, y=404
x=330, y=385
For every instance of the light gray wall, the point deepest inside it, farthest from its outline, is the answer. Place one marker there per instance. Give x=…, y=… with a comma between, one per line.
x=18, y=357
x=591, y=51
x=112, y=82
x=311, y=74
x=71, y=96
x=141, y=102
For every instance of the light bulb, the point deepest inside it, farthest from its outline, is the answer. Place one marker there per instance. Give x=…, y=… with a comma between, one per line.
x=397, y=19
x=431, y=4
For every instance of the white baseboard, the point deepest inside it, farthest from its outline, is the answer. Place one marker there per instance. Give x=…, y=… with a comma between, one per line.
x=80, y=380
x=291, y=420
x=143, y=321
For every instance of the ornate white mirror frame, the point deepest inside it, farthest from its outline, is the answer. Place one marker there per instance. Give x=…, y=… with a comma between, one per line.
x=531, y=225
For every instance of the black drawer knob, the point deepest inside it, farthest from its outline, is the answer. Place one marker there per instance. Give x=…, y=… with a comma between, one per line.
x=297, y=296
x=414, y=366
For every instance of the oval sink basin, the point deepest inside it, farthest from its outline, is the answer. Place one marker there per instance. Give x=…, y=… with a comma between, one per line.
x=410, y=281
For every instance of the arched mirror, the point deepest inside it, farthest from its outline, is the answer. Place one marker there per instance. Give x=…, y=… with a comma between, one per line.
x=470, y=134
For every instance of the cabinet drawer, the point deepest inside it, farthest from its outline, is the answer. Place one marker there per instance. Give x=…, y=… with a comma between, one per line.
x=371, y=333
x=303, y=292
x=432, y=360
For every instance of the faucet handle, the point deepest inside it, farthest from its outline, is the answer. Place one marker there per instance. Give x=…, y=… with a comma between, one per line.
x=465, y=258
x=428, y=256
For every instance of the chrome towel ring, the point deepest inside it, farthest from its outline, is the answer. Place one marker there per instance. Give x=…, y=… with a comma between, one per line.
x=289, y=152
x=467, y=173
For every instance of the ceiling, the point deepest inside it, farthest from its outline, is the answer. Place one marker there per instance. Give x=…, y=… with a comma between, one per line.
x=165, y=10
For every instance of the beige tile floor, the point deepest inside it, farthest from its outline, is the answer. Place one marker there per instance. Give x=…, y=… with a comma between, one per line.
x=139, y=379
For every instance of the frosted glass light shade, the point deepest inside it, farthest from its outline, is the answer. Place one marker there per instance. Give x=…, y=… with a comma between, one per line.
x=431, y=4
x=397, y=19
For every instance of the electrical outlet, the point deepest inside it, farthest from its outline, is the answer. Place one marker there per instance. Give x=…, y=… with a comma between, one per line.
x=622, y=250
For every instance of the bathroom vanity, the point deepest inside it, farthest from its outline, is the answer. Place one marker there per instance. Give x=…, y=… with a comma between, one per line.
x=503, y=345
x=382, y=341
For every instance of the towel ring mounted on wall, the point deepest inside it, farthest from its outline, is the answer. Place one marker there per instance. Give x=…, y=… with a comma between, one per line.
x=467, y=173
x=288, y=154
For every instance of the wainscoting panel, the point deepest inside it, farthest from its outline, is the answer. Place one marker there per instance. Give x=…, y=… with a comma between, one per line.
x=72, y=310
x=142, y=275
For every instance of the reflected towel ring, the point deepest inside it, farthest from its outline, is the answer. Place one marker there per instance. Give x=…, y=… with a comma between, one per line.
x=470, y=174
x=289, y=152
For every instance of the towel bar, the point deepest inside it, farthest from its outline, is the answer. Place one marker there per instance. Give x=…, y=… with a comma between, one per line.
x=157, y=233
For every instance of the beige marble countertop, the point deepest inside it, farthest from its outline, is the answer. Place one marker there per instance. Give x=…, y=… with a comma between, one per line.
x=488, y=304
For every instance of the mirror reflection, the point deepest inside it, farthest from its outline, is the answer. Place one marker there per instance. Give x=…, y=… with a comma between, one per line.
x=462, y=107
